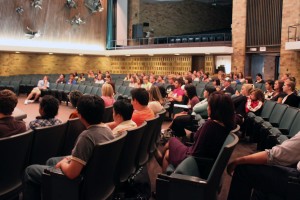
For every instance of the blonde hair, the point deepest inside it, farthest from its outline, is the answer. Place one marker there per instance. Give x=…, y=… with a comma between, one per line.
x=107, y=90
x=248, y=88
x=155, y=95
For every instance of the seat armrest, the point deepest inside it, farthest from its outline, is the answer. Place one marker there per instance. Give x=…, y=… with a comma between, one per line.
x=56, y=186
x=284, y=131
x=184, y=178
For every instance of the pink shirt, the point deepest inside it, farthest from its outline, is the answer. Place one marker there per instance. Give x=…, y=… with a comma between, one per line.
x=108, y=101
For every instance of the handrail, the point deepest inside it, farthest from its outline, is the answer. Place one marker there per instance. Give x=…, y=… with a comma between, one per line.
x=146, y=41
x=293, y=33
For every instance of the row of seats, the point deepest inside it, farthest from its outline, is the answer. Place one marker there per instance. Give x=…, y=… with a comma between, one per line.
x=277, y=123
x=193, y=38
x=111, y=163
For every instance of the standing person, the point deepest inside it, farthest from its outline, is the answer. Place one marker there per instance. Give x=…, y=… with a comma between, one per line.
x=265, y=172
x=139, y=101
x=8, y=125
x=208, y=139
x=90, y=109
x=36, y=92
x=48, y=110
x=107, y=94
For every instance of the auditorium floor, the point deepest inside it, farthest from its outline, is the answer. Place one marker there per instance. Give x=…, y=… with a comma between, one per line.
x=153, y=168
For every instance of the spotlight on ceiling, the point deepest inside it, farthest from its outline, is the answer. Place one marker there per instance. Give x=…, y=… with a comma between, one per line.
x=71, y=4
x=94, y=5
x=37, y=4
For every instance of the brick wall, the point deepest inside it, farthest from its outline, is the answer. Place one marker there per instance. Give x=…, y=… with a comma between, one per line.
x=176, y=18
x=238, y=35
x=290, y=60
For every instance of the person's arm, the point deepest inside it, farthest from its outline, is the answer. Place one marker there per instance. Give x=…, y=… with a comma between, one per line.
x=70, y=168
x=178, y=98
x=259, y=158
x=279, y=100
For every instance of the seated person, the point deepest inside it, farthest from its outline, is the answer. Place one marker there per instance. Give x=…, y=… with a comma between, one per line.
x=74, y=97
x=291, y=98
x=146, y=84
x=259, y=78
x=266, y=172
x=139, y=101
x=208, y=139
x=8, y=125
x=227, y=89
x=48, y=110
x=269, y=93
x=255, y=101
x=278, y=94
x=72, y=79
x=90, y=109
x=108, y=94
x=155, y=100
x=36, y=92
x=61, y=79
x=122, y=114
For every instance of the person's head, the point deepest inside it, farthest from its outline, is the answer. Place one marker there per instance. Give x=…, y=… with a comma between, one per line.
x=107, y=90
x=139, y=96
x=220, y=108
x=216, y=82
x=99, y=77
x=152, y=79
x=227, y=82
x=249, y=80
x=108, y=78
x=208, y=90
x=246, y=89
x=62, y=76
x=257, y=95
x=154, y=94
x=45, y=78
x=258, y=77
x=139, y=81
x=240, y=75
x=72, y=76
x=91, y=109
x=171, y=80
x=269, y=84
x=285, y=76
x=122, y=111
x=133, y=79
x=145, y=79
x=188, y=80
x=288, y=87
x=8, y=102
x=74, y=97
x=178, y=83
x=49, y=107
x=206, y=75
x=291, y=78
x=278, y=85
x=190, y=91
x=159, y=79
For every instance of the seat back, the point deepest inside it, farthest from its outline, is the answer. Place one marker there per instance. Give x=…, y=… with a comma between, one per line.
x=74, y=87
x=127, y=165
x=121, y=90
x=277, y=113
x=143, y=152
x=108, y=114
x=14, y=152
x=288, y=118
x=157, y=131
x=94, y=90
x=100, y=170
x=47, y=143
x=60, y=86
x=81, y=88
x=295, y=127
x=52, y=86
x=74, y=128
x=88, y=89
x=267, y=109
x=67, y=88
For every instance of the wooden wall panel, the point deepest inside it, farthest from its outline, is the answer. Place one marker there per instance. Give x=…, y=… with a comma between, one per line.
x=51, y=21
x=264, y=19
x=15, y=64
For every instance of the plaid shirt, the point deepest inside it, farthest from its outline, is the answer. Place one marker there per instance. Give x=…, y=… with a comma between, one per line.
x=44, y=122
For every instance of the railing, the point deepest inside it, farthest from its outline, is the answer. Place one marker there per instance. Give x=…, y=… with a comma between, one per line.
x=169, y=40
x=293, y=33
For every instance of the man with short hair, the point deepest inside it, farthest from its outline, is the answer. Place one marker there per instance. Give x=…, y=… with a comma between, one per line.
x=139, y=101
x=36, y=92
x=227, y=89
x=122, y=114
x=90, y=109
x=8, y=125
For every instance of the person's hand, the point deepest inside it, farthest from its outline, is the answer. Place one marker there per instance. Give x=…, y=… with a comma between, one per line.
x=65, y=160
x=231, y=167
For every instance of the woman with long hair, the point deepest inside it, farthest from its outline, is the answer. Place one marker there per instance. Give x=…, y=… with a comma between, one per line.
x=208, y=139
x=108, y=94
x=155, y=99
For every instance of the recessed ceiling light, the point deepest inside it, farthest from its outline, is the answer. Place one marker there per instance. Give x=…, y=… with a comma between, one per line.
x=81, y=54
x=17, y=52
x=207, y=53
x=176, y=54
x=127, y=55
x=150, y=54
x=50, y=53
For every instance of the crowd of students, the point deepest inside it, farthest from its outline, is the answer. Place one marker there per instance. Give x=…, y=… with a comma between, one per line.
x=222, y=106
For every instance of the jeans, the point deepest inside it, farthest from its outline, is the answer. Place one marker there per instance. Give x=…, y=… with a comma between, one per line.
x=33, y=179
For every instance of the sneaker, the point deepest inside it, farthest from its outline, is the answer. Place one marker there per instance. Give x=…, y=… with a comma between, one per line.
x=30, y=101
x=26, y=102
